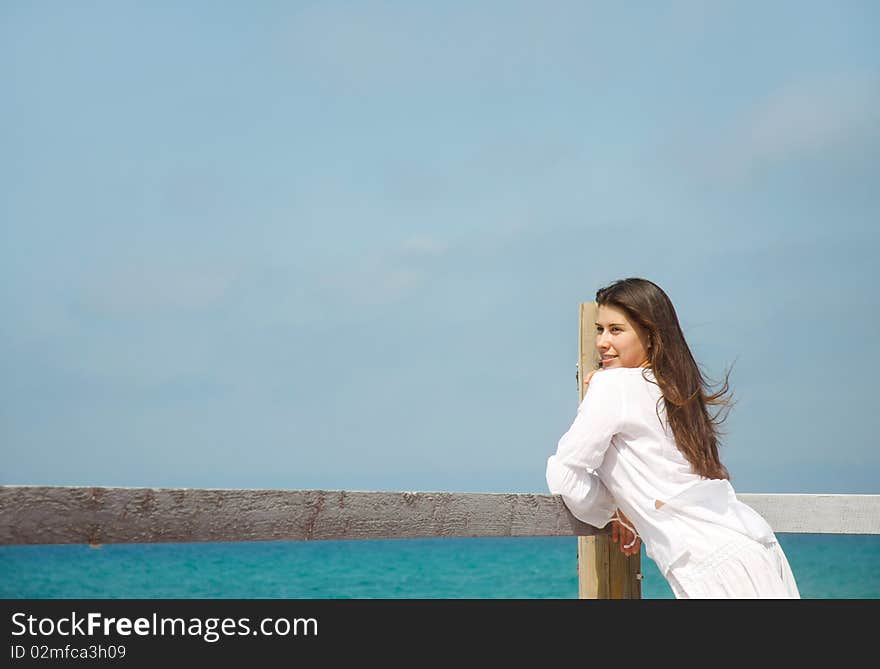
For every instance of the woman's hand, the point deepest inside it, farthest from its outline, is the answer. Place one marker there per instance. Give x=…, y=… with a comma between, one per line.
x=589, y=376
x=625, y=536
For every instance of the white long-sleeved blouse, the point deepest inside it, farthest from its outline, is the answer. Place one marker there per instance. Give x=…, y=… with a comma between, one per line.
x=619, y=454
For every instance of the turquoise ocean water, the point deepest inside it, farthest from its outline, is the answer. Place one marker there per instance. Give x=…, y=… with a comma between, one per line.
x=825, y=566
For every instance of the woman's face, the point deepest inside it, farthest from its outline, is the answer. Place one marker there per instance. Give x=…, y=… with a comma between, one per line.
x=620, y=342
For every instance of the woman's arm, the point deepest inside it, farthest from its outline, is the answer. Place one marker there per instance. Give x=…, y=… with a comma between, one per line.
x=580, y=451
x=599, y=418
x=630, y=542
x=583, y=493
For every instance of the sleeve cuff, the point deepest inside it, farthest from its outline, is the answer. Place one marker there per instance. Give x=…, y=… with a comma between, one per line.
x=582, y=491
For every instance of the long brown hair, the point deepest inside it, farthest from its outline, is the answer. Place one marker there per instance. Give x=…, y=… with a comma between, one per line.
x=686, y=392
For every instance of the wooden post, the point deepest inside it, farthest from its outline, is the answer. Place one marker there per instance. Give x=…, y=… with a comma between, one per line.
x=604, y=572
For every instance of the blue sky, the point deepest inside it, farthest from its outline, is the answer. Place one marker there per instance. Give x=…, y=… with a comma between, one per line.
x=341, y=245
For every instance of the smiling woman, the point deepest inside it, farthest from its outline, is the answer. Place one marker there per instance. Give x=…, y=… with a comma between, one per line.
x=620, y=342
x=643, y=450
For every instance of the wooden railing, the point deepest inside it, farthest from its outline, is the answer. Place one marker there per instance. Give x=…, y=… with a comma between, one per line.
x=50, y=514
x=97, y=515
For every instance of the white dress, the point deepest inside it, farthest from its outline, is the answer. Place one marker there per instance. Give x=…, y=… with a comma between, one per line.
x=619, y=454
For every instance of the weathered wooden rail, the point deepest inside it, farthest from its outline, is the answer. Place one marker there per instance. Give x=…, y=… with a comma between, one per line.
x=97, y=515
x=54, y=514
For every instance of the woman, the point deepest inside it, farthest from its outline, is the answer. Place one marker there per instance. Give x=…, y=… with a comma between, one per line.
x=643, y=451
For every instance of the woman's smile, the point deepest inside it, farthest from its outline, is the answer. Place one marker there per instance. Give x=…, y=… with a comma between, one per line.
x=620, y=342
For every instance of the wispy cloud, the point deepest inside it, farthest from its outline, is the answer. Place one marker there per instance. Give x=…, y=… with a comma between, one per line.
x=391, y=274
x=419, y=247
x=149, y=289
x=800, y=121
x=358, y=46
